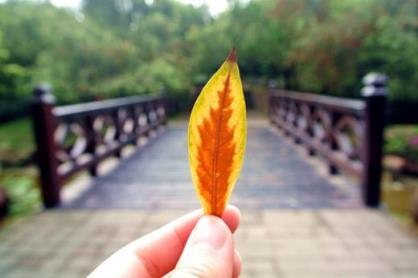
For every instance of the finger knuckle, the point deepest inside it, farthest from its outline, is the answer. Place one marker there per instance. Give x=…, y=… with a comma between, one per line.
x=192, y=271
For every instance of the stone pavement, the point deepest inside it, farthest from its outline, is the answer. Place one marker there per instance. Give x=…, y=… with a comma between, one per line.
x=274, y=175
x=273, y=243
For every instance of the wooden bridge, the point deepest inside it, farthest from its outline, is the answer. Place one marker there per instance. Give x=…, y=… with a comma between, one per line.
x=158, y=178
x=299, y=218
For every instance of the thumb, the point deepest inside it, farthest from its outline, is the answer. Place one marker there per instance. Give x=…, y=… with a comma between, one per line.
x=209, y=251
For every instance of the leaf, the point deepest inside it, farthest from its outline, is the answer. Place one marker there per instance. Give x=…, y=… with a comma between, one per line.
x=217, y=137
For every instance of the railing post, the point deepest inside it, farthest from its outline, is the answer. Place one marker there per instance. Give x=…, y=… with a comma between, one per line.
x=44, y=127
x=271, y=86
x=374, y=92
x=91, y=144
x=164, y=106
x=332, y=168
x=163, y=103
x=310, y=130
x=118, y=131
x=136, y=129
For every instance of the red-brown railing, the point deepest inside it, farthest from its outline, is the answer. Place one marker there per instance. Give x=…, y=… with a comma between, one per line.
x=347, y=133
x=78, y=137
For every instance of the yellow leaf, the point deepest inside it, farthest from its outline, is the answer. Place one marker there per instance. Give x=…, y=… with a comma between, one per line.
x=217, y=137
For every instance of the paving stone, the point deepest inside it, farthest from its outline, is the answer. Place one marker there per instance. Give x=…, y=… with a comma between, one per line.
x=77, y=250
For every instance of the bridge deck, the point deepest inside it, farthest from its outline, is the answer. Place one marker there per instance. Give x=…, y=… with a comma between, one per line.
x=274, y=175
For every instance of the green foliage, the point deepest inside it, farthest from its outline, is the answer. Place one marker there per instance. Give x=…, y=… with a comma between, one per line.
x=114, y=48
x=323, y=46
x=402, y=141
x=105, y=51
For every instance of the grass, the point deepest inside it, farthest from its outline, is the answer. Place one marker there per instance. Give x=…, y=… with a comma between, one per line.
x=16, y=140
x=397, y=193
x=397, y=197
x=20, y=185
x=16, y=143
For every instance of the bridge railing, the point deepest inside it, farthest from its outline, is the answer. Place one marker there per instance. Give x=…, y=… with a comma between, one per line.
x=78, y=137
x=347, y=133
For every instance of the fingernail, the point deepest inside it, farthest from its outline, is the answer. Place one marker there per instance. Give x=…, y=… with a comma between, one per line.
x=210, y=230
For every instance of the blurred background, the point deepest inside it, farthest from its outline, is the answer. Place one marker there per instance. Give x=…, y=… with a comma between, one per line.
x=94, y=50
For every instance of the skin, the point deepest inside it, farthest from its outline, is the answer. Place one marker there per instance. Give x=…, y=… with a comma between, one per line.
x=193, y=245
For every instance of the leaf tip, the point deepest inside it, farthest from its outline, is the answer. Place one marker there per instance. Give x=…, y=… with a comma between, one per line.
x=232, y=57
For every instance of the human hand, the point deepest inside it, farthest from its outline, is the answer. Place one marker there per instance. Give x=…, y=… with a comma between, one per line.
x=191, y=246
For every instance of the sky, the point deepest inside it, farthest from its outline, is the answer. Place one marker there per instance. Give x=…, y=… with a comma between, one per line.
x=215, y=6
